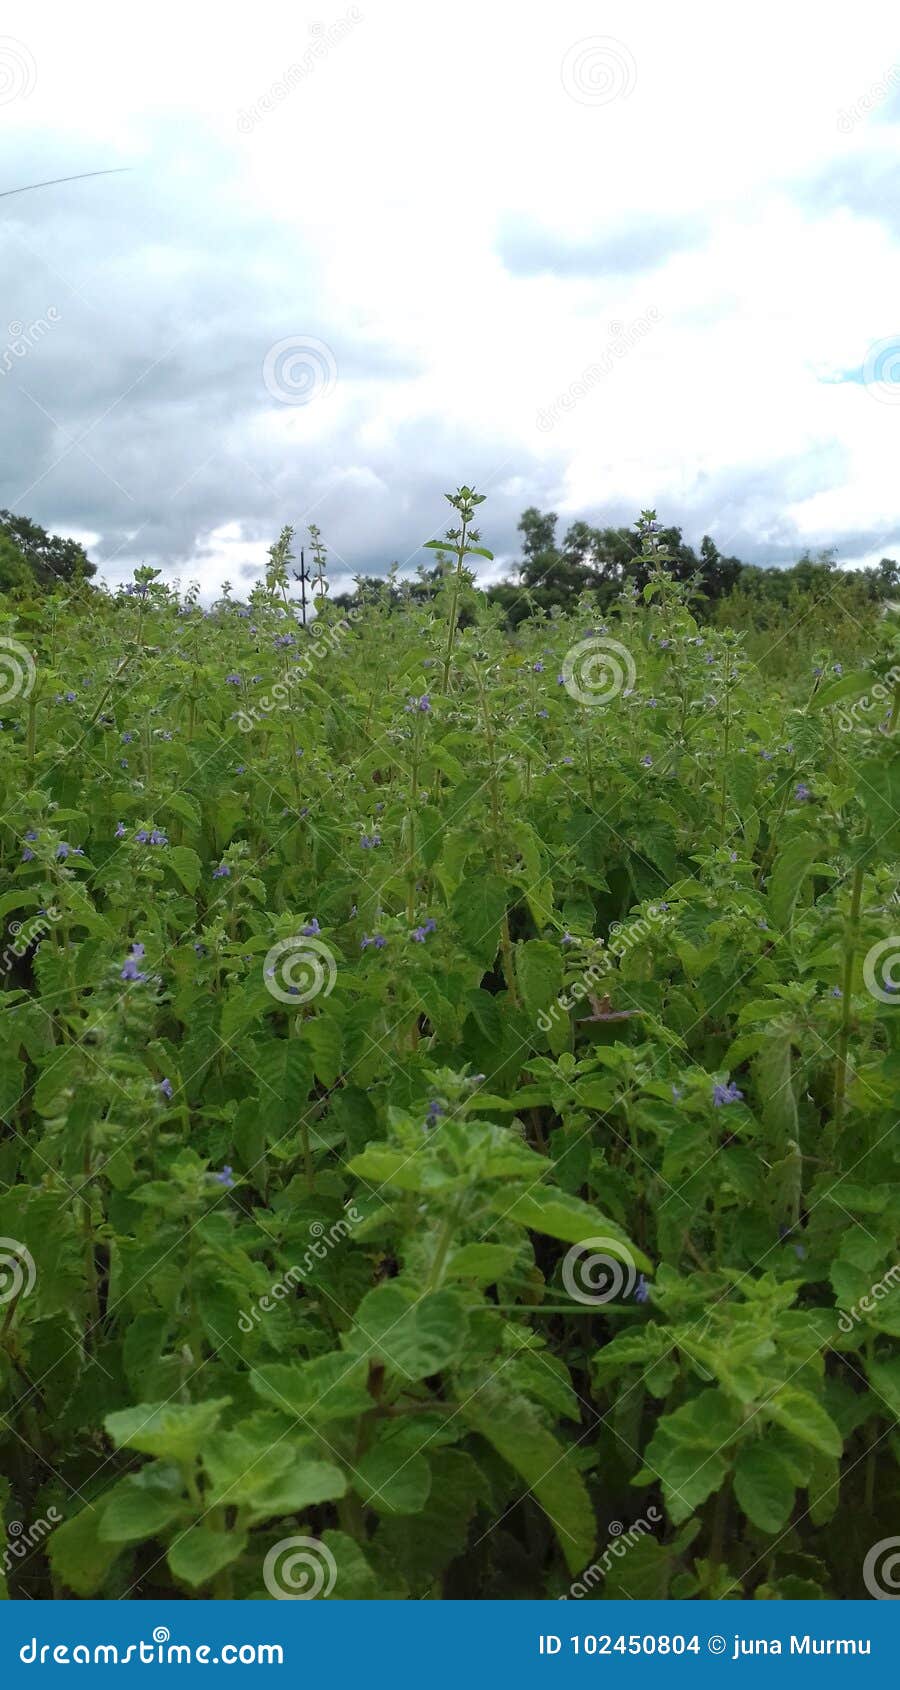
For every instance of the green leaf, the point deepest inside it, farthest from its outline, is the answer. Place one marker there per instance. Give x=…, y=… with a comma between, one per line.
x=134, y=1511
x=333, y=1387
x=177, y=1431
x=788, y=873
x=802, y=1415
x=391, y=1482
x=414, y=1338
x=878, y=790
x=78, y=1555
x=483, y=1263
x=558, y=1215
x=185, y=863
x=512, y=1427
x=539, y=972
x=477, y=911
x=764, y=1486
x=200, y=1553
x=689, y=1450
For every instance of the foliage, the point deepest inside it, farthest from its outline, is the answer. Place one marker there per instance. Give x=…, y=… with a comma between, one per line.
x=360, y=981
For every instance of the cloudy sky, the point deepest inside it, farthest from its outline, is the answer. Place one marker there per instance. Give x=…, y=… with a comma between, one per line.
x=591, y=257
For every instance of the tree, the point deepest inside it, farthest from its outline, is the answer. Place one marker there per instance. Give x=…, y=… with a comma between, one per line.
x=49, y=557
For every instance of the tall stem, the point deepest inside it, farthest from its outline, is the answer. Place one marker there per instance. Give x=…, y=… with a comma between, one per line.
x=843, y=1043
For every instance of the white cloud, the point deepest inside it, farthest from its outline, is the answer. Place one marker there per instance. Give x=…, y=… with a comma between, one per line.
x=385, y=177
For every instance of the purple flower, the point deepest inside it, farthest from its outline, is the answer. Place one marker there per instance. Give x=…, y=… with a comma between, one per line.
x=120, y=830
x=652, y=704
x=838, y=668
x=225, y=1177
x=677, y=1093
x=222, y=872
x=130, y=970
x=544, y=713
x=802, y=792
x=568, y=760
x=127, y=738
x=71, y=697
x=567, y=939
x=560, y=680
x=311, y=928
x=647, y=762
x=27, y=855
x=370, y=844
x=641, y=1290
x=241, y=769
x=726, y=1094
x=63, y=850
x=232, y=680
x=142, y=836
x=378, y=940
x=435, y=1109
x=31, y=833
x=836, y=992
x=538, y=668
x=157, y=838
x=165, y=1087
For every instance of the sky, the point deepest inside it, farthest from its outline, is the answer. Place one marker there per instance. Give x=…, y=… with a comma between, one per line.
x=595, y=258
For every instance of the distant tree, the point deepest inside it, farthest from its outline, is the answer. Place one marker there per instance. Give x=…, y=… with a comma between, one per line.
x=50, y=558
x=14, y=571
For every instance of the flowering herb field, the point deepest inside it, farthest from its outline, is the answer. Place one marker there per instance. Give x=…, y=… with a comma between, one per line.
x=449, y=1100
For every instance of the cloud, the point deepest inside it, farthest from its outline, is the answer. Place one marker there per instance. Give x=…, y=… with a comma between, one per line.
x=588, y=307
x=630, y=249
